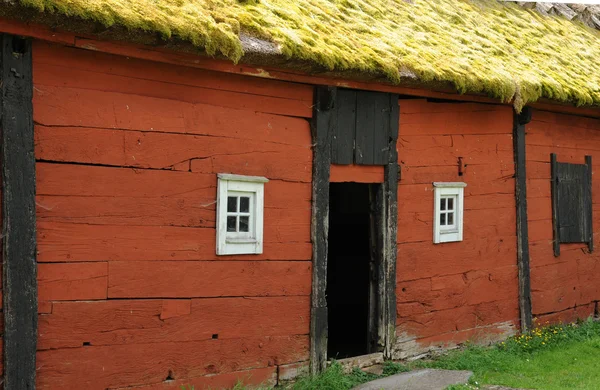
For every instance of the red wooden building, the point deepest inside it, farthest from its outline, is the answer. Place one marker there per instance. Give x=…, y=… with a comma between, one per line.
x=170, y=218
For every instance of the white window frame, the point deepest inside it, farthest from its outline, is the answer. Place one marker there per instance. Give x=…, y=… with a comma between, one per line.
x=238, y=243
x=454, y=232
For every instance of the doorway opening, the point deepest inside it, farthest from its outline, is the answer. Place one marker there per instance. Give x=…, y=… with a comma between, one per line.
x=352, y=265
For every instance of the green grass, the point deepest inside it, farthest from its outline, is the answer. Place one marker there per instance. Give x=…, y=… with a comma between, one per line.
x=334, y=378
x=549, y=358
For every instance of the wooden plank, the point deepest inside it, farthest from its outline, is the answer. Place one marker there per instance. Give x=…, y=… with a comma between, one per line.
x=571, y=214
x=66, y=242
x=383, y=105
x=520, y=158
x=72, y=281
x=356, y=173
x=389, y=260
x=486, y=252
x=82, y=180
x=18, y=213
x=73, y=58
x=344, y=130
x=254, y=378
x=589, y=200
x=117, y=366
x=428, y=150
x=366, y=118
x=64, y=77
x=68, y=108
x=206, y=154
x=555, y=215
x=322, y=127
x=194, y=279
x=115, y=322
x=478, y=119
x=159, y=211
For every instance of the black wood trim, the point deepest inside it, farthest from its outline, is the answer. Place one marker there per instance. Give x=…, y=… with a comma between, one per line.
x=322, y=127
x=554, y=191
x=519, y=122
x=390, y=255
x=18, y=213
x=588, y=162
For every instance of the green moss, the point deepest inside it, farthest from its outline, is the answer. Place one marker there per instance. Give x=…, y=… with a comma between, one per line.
x=480, y=46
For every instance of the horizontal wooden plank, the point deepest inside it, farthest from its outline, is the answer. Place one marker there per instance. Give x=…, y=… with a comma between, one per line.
x=444, y=323
x=114, y=322
x=256, y=377
x=568, y=155
x=424, y=106
x=66, y=107
x=106, y=210
x=180, y=279
x=418, y=226
x=422, y=259
x=475, y=175
x=137, y=364
x=428, y=149
x=556, y=118
x=72, y=281
x=492, y=121
x=418, y=198
x=162, y=150
x=467, y=288
x=563, y=136
x=356, y=173
x=73, y=58
x=60, y=242
x=82, y=180
x=75, y=79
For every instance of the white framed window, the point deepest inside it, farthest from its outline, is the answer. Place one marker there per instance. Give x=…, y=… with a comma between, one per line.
x=448, y=212
x=240, y=204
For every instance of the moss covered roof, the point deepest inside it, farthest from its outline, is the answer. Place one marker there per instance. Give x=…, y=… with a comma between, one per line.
x=480, y=46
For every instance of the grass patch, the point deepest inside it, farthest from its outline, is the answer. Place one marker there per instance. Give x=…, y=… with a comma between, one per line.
x=334, y=377
x=550, y=358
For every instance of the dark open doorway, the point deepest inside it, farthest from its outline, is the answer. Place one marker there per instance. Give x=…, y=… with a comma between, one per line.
x=351, y=271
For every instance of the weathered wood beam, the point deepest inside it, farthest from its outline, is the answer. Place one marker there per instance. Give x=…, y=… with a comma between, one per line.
x=18, y=213
x=519, y=122
x=322, y=125
x=389, y=259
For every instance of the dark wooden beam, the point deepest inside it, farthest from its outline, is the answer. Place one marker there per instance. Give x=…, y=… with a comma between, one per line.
x=589, y=204
x=554, y=193
x=519, y=122
x=389, y=257
x=322, y=127
x=18, y=213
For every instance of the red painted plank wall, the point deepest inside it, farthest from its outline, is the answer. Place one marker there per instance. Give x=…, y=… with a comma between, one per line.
x=131, y=292
x=566, y=287
x=449, y=293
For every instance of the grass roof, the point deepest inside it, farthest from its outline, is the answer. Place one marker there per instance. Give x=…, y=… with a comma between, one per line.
x=480, y=46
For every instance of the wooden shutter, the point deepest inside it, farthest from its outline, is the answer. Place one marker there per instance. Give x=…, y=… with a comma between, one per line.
x=572, y=203
x=365, y=129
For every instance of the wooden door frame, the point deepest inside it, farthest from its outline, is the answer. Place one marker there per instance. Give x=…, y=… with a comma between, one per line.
x=19, y=245
x=322, y=127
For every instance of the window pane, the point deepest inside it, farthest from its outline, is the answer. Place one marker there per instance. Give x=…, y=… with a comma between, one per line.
x=244, y=204
x=244, y=222
x=231, y=204
x=450, y=203
x=231, y=224
x=450, y=218
x=443, y=204
x=443, y=219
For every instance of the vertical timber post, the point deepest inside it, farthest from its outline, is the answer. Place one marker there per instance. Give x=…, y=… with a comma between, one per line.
x=390, y=251
x=519, y=122
x=321, y=129
x=18, y=213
